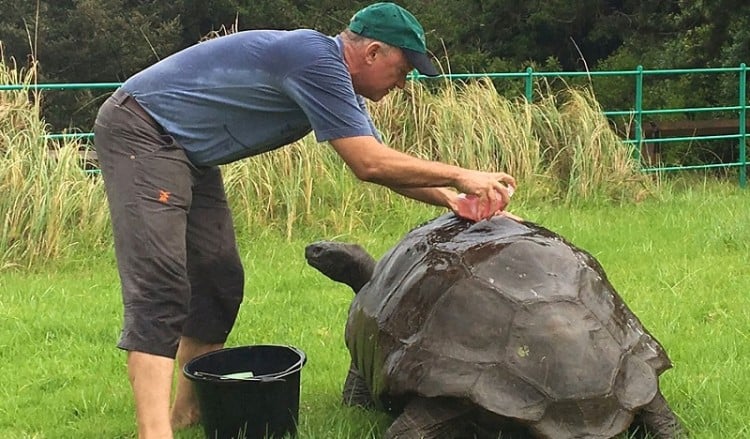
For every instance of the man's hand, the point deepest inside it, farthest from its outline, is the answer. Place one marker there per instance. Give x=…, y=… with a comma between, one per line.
x=494, y=189
x=476, y=209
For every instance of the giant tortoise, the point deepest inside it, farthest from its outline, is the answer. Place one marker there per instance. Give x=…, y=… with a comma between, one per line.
x=499, y=328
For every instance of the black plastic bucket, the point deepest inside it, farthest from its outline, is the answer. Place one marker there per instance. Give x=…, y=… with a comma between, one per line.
x=264, y=405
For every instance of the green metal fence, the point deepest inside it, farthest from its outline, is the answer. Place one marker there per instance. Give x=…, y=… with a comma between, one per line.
x=638, y=111
x=530, y=76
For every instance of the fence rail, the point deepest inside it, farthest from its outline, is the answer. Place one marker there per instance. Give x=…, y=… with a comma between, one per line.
x=530, y=76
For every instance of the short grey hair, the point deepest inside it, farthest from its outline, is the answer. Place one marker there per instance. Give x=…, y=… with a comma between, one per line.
x=358, y=40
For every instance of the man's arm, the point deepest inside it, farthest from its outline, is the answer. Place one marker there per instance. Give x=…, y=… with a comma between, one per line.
x=417, y=178
x=437, y=196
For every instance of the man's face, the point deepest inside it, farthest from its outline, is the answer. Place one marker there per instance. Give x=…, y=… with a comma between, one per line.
x=385, y=69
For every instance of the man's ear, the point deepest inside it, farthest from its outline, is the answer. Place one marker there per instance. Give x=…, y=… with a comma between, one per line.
x=373, y=50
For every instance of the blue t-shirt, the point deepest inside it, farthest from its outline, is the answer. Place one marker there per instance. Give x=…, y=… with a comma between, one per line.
x=250, y=92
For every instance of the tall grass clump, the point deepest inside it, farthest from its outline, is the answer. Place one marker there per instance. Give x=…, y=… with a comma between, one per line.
x=48, y=204
x=560, y=146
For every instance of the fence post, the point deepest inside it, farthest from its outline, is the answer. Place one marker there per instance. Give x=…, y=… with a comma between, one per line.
x=743, y=125
x=529, y=84
x=638, y=113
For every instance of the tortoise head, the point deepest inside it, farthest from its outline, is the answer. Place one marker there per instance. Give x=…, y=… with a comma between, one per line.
x=346, y=263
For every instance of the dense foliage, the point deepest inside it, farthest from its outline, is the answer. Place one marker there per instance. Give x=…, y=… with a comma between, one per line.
x=109, y=40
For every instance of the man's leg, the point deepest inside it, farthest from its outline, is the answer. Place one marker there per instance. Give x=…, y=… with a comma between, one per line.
x=151, y=380
x=148, y=180
x=185, y=410
x=216, y=285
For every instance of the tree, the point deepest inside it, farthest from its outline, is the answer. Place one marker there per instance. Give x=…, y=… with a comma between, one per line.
x=109, y=40
x=87, y=41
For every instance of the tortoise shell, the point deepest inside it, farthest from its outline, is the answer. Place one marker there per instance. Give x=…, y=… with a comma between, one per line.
x=510, y=317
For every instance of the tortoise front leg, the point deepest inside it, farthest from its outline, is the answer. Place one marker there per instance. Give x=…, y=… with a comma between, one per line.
x=356, y=393
x=431, y=418
x=658, y=420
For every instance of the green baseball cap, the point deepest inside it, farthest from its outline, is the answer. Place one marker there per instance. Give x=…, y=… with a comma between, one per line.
x=394, y=25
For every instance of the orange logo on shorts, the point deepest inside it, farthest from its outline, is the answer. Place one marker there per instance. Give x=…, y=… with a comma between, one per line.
x=164, y=196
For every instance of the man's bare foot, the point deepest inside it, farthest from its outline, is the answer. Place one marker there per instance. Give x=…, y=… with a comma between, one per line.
x=185, y=409
x=186, y=419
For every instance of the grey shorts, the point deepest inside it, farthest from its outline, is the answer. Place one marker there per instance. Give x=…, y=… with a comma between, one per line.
x=174, y=239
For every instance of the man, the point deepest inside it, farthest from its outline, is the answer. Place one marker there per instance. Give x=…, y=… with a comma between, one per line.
x=160, y=137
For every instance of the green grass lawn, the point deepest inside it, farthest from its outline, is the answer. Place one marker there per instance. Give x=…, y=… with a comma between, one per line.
x=679, y=262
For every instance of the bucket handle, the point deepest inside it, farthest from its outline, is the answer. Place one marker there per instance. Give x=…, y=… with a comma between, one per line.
x=296, y=366
x=263, y=378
